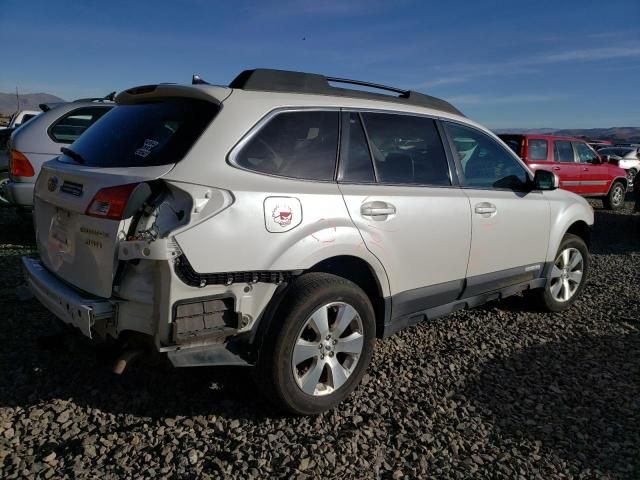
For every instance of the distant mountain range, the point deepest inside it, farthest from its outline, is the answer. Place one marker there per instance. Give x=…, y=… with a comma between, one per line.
x=615, y=134
x=28, y=101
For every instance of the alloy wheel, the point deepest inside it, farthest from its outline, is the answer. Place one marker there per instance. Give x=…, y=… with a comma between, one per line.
x=566, y=274
x=618, y=195
x=328, y=348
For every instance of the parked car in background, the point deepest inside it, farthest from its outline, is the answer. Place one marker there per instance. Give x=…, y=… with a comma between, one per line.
x=42, y=139
x=580, y=168
x=598, y=144
x=628, y=158
x=285, y=223
x=18, y=118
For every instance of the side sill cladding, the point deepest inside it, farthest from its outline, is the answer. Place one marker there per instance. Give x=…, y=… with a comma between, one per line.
x=400, y=323
x=188, y=275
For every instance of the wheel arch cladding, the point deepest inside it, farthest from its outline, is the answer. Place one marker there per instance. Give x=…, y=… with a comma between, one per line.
x=363, y=275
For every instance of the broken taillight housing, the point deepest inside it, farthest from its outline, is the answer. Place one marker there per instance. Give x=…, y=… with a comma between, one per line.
x=19, y=165
x=110, y=202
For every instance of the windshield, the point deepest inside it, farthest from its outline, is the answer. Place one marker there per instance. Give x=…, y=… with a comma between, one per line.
x=144, y=134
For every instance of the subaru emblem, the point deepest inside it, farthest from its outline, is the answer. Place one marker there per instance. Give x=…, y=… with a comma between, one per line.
x=52, y=184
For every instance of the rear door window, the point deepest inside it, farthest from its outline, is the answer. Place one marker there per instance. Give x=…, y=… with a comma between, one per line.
x=144, y=134
x=563, y=152
x=300, y=144
x=68, y=128
x=406, y=149
x=537, y=150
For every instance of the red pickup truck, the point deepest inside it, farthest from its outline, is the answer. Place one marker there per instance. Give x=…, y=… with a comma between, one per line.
x=579, y=167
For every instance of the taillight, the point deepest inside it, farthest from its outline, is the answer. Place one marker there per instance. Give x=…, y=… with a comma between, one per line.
x=110, y=202
x=19, y=165
x=525, y=148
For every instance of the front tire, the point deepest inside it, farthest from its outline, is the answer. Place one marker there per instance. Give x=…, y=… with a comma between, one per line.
x=567, y=276
x=318, y=345
x=615, y=198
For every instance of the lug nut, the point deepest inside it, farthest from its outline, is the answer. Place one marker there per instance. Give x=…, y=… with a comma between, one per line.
x=328, y=337
x=331, y=354
x=320, y=347
x=335, y=341
x=321, y=357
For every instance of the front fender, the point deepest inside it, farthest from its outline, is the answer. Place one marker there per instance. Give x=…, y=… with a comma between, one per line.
x=566, y=209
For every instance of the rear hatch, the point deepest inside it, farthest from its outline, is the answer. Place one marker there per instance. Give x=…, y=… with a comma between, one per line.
x=85, y=199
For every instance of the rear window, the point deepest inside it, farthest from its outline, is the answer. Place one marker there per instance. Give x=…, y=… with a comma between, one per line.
x=26, y=118
x=537, y=150
x=144, y=134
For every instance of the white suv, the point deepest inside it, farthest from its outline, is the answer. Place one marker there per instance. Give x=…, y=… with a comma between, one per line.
x=285, y=223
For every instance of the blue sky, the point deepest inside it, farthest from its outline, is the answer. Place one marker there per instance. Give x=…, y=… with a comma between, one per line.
x=503, y=63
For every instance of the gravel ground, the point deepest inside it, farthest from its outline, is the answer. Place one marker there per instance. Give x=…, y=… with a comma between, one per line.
x=499, y=391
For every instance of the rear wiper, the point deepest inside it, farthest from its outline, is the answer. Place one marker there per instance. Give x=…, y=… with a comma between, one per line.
x=75, y=155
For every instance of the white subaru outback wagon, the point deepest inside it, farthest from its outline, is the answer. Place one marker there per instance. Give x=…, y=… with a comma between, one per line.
x=286, y=223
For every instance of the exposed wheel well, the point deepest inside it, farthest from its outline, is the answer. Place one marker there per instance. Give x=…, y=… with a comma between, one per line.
x=359, y=272
x=582, y=230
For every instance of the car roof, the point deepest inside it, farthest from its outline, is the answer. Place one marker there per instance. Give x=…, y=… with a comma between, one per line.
x=283, y=85
x=270, y=80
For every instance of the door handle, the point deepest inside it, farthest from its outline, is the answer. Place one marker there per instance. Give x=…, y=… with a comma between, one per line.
x=377, y=209
x=555, y=168
x=485, y=208
x=585, y=169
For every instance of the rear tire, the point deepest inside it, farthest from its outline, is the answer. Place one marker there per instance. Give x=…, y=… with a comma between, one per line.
x=318, y=345
x=615, y=198
x=566, y=278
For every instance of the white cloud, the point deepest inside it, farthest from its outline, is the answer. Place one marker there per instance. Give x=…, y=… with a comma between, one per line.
x=462, y=73
x=503, y=99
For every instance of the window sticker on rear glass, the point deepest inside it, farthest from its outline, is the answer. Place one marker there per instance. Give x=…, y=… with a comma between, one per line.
x=146, y=148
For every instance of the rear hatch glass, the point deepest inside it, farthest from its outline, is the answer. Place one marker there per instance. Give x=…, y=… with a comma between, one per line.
x=143, y=134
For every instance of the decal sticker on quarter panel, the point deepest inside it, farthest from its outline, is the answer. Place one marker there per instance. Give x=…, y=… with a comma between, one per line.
x=282, y=214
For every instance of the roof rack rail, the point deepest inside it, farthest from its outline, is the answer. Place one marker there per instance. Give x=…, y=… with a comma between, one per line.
x=264, y=79
x=107, y=98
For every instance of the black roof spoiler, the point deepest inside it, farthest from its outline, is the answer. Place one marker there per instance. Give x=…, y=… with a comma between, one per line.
x=264, y=79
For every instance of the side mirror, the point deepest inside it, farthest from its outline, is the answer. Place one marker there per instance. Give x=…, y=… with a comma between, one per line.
x=598, y=160
x=545, y=180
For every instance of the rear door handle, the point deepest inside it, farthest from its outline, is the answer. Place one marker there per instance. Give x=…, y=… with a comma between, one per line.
x=485, y=208
x=585, y=169
x=555, y=168
x=378, y=210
